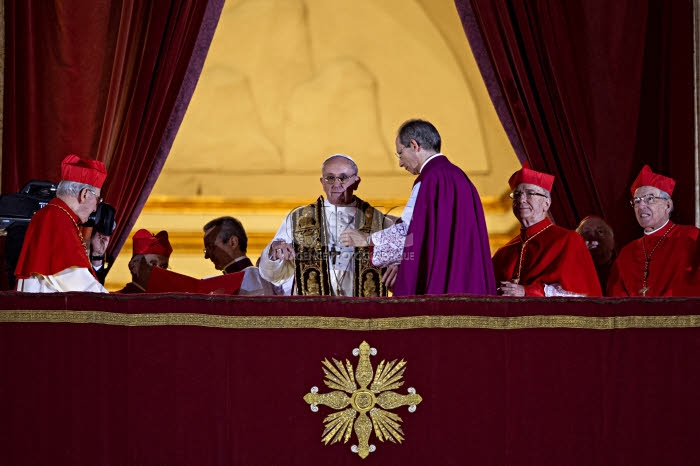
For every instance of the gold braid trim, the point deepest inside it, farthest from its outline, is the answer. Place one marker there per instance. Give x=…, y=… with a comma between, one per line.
x=348, y=323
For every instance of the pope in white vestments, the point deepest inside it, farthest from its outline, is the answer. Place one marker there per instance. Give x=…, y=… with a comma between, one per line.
x=307, y=257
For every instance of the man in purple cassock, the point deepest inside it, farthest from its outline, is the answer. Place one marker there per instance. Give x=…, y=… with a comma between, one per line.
x=440, y=246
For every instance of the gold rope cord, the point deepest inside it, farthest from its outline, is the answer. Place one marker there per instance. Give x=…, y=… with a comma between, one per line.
x=349, y=323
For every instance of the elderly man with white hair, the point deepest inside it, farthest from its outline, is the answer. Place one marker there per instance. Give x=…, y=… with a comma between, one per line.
x=54, y=257
x=307, y=257
x=544, y=259
x=661, y=262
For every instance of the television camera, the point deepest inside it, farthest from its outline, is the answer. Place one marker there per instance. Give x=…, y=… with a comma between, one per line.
x=18, y=209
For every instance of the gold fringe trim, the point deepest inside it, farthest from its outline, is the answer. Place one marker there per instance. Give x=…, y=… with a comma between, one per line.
x=349, y=323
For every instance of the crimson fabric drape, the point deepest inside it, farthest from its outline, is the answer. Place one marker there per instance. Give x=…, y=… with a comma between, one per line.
x=591, y=91
x=56, y=57
x=91, y=379
x=100, y=78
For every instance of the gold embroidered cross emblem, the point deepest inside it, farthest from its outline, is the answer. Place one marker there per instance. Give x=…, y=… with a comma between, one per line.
x=359, y=402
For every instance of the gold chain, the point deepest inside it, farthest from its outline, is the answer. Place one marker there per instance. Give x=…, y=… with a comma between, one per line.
x=516, y=280
x=647, y=260
x=80, y=235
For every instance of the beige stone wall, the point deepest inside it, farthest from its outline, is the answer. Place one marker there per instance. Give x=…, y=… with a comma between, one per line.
x=289, y=82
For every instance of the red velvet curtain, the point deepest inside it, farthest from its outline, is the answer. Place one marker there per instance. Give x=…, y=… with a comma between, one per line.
x=592, y=90
x=99, y=78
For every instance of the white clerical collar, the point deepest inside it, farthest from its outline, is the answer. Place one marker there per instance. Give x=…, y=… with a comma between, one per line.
x=235, y=260
x=652, y=232
x=429, y=159
x=327, y=203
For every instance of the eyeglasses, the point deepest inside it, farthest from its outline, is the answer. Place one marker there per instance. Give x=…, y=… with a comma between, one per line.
x=648, y=199
x=528, y=194
x=330, y=179
x=99, y=199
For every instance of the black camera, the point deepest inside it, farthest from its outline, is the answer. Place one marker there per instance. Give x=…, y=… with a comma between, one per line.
x=102, y=220
x=18, y=209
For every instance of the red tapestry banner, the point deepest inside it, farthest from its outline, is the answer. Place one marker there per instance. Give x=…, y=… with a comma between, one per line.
x=208, y=380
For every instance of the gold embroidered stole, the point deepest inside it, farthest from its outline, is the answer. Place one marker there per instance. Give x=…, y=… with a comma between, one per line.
x=311, y=247
x=368, y=278
x=312, y=275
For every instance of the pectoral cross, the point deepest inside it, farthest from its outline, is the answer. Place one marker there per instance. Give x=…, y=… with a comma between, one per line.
x=645, y=288
x=334, y=254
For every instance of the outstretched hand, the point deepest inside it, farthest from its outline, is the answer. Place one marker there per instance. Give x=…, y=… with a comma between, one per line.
x=352, y=237
x=281, y=250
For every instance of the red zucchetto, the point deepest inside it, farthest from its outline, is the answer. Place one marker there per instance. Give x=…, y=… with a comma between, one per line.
x=647, y=177
x=529, y=176
x=147, y=243
x=86, y=171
